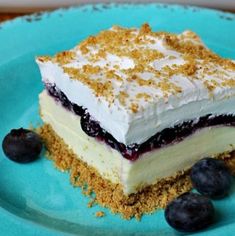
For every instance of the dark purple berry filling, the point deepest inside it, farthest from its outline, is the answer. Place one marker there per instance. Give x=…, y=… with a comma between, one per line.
x=78, y=110
x=90, y=126
x=52, y=90
x=133, y=151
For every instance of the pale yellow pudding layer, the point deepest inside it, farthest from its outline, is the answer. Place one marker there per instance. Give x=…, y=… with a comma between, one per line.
x=67, y=125
x=150, y=167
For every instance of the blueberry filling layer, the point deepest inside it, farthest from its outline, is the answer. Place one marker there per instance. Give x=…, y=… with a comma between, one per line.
x=132, y=152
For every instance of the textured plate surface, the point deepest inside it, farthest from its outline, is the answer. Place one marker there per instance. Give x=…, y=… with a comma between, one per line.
x=36, y=199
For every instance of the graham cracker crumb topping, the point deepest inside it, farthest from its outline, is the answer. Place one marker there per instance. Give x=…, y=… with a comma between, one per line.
x=130, y=61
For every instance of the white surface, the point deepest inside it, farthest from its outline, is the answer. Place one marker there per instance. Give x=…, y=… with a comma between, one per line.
x=154, y=115
x=151, y=166
x=29, y=5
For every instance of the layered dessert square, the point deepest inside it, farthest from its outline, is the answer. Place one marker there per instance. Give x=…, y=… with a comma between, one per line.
x=133, y=110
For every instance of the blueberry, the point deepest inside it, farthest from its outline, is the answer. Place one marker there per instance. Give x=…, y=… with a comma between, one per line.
x=22, y=145
x=111, y=141
x=53, y=91
x=64, y=100
x=156, y=141
x=211, y=178
x=189, y=212
x=89, y=126
x=130, y=152
x=145, y=147
x=167, y=136
x=78, y=110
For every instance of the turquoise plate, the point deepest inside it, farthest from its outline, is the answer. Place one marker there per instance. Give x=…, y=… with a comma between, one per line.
x=36, y=199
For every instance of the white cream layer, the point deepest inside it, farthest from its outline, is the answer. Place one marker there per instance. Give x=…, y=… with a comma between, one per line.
x=160, y=111
x=130, y=128
x=151, y=166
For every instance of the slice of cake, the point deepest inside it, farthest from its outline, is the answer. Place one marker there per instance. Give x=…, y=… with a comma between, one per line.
x=137, y=109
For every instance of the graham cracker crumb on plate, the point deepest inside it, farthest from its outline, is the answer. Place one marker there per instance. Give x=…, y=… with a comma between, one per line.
x=99, y=214
x=91, y=203
x=111, y=195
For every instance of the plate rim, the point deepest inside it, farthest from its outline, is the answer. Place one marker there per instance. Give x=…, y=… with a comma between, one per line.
x=42, y=13
x=64, y=10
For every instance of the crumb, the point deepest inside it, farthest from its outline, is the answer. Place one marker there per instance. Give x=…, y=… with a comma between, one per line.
x=91, y=203
x=111, y=195
x=136, y=45
x=99, y=214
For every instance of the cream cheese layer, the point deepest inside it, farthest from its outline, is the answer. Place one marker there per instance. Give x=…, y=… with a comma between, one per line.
x=151, y=166
x=143, y=84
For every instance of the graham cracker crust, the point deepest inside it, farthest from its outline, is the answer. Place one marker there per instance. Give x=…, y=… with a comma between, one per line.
x=111, y=195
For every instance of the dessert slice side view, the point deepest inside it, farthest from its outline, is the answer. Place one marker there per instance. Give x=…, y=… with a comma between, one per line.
x=139, y=108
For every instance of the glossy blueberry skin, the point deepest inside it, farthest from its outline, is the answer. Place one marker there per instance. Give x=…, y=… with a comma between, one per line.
x=189, y=212
x=211, y=178
x=64, y=100
x=78, y=110
x=89, y=126
x=22, y=145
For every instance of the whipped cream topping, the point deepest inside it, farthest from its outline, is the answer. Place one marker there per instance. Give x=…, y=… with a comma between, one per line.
x=145, y=86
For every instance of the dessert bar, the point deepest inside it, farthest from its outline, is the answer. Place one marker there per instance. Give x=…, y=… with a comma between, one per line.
x=139, y=107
